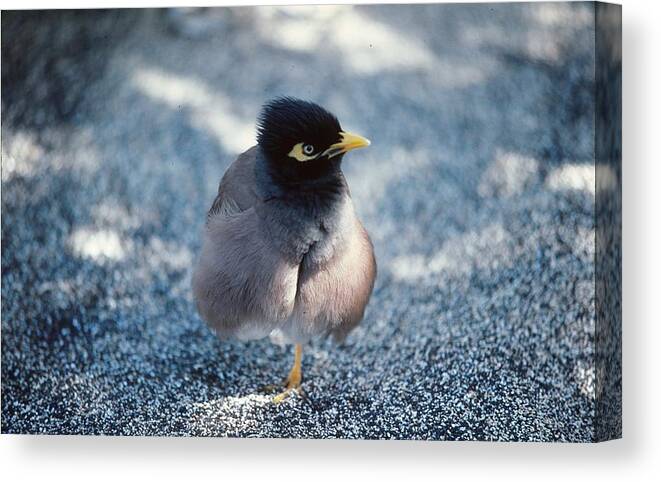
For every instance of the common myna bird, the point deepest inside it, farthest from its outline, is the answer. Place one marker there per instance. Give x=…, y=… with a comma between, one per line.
x=284, y=253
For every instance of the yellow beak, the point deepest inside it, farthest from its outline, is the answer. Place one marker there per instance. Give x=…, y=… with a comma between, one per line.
x=349, y=142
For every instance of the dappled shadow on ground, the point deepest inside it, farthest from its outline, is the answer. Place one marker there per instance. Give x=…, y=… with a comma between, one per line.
x=477, y=192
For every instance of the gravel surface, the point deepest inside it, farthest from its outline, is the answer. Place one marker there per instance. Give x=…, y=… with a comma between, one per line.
x=478, y=192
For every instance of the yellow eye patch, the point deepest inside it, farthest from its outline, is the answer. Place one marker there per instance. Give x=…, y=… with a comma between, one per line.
x=298, y=154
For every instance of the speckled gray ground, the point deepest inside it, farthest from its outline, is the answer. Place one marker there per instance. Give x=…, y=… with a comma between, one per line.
x=478, y=192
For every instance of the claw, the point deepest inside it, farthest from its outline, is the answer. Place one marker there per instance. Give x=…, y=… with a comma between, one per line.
x=286, y=394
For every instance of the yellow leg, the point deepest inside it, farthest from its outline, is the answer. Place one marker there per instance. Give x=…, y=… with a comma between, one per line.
x=295, y=376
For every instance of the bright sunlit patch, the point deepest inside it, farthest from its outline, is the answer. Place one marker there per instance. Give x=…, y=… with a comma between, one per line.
x=209, y=110
x=409, y=267
x=546, y=40
x=96, y=244
x=172, y=255
x=20, y=154
x=558, y=14
x=359, y=42
x=572, y=176
x=369, y=46
x=249, y=400
x=458, y=255
x=585, y=377
x=232, y=414
x=508, y=174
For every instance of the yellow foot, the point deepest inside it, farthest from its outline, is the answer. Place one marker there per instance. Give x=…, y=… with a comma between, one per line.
x=285, y=395
x=293, y=382
x=292, y=385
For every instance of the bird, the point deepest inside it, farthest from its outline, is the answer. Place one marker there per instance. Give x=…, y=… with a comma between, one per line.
x=283, y=253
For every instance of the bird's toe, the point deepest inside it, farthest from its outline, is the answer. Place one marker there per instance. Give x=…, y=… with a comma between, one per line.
x=281, y=397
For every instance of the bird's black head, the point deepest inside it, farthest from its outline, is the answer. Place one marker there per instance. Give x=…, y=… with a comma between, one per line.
x=303, y=139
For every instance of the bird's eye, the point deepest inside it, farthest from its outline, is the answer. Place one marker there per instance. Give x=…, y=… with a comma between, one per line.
x=308, y=149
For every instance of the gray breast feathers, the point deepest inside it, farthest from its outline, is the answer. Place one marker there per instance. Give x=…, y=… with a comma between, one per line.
x=335, y=282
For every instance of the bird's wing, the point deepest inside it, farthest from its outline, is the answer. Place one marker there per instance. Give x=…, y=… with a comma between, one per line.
x=237, y=189
x=242, y=284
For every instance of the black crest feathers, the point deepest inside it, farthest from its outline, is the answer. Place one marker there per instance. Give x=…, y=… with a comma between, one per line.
x=286, y=121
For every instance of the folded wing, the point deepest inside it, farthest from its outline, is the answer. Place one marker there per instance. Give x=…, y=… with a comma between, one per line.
x=242, y=285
